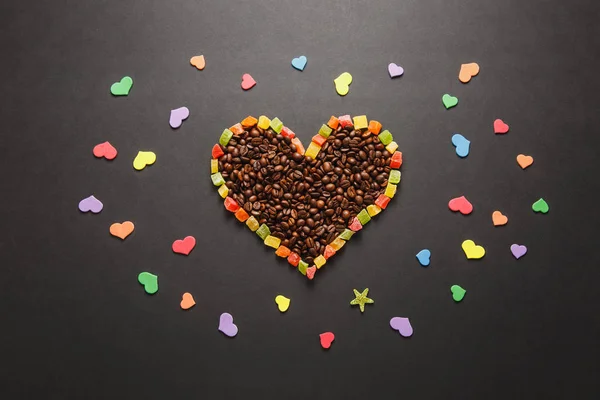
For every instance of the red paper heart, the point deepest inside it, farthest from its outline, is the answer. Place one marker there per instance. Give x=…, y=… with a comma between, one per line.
x=105, y=150
x=247, y=81
x=461, y=204
x=326, y=339
x=500, y=126
x=184, y=246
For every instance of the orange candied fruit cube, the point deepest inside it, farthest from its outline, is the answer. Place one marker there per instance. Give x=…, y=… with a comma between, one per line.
x=374, y=127
x=283, y=251
x=346, y=120
x=396, y=161
x=318, y=139
x=333, y=122
x=329, y=251
x=299, y=148
x=287, y=132
x=231, y=204
x=237, y=129
x=382, y=201
x=294, y=259
x=249, y=121
x=241, y=215
x=217, y=151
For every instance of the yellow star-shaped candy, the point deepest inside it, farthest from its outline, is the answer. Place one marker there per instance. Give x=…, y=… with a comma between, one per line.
x=361, y=299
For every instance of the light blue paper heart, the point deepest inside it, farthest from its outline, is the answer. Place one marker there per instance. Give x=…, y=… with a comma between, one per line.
x=424, y=257
x=299, y=63
x=462, y=145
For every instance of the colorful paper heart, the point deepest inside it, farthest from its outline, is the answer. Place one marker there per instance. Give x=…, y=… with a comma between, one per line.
x=283, y=303
x=500, y=127
x=122, y=230
x=395, y=70
x=540, y=206
x=402, y=325
x=458, y=293
x=342, y=83
x=187, y=301
x=122, y=87
x=177, y=117
x=198, y=62
x=299, y=63
x=326, y=338
x=467, y=71
x=472, y=251
x=524, y=161
x=449, y=101
x=184, y=246
x=463, y=146
x=518, y=250
x=499, y=219
x=248, y=82
x=105, y=150
x=149, y=281
x=227, y=326
x=424, y=257
x=91, y=204
x=461, y=204
x=143, y=159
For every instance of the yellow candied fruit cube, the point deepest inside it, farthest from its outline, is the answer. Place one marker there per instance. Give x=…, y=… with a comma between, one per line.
x=272, y=241
x=252, y=223
x=392, y=147
x=337, y=244
x=360, y=122
x=223, y=191
x=320, y=261
x=373, y=209
x=390, y=190
x=312, y=150
x=214, y=166
x=263, y=122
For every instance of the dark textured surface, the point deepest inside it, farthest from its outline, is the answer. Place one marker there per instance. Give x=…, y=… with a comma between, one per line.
x=75, y=324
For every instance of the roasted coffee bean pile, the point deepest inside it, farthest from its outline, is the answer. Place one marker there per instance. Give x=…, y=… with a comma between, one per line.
x=305, y=202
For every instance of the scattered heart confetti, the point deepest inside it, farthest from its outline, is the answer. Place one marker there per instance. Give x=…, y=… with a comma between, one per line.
x=187, y=301
x=248, y=82
x=299, y=63
x=467, y=71
x=461, y=204
x=361, y=299
x=518, y=250
x=198, y=61
x=463, y=146
x=143, y=159
x=524, y=161
x=326, y=338
x=122, y=230
x=424, y=257
x=499, y=219
x=449, y=101
x=395, y=70
x=91, y=204
x=472, y=251
x=283, y=303
x=122, y=87
x=105, y=150
x=458, y=293
x=500, y=127
x=227, y=326
x=342, y=83
x=184, y=246
x=402, y=325
x=150, y=282
x=177, y=117
x=540, y=206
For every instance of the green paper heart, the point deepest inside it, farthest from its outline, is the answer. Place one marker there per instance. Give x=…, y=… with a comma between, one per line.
x=458, y=293
x=123, y=87
x=449, y=101
x=540, y=206
x=150, y=282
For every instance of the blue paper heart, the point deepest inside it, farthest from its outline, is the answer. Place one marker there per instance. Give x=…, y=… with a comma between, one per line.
x=423, y=256
x=462, y=145
x=299, y=63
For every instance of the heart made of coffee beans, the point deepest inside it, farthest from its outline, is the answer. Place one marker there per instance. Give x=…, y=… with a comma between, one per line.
x=306, y=204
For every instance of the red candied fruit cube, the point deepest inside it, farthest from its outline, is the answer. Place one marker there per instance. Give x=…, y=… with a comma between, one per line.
x=318, y=139
x=346, y=120
x=329, y=251
x=382, y=201
x=217, y=151
x=294, y=259
x=287, y=132
x=231, y=204
x=310, y=272
x=355, y=225
x=396, y=160
x=333, y=122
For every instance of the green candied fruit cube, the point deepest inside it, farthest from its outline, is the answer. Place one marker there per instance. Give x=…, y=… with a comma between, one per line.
x=325, y=131
x=347, y=234
x=276, y=125
x=363, y=216
x=225, y=137
x=394, y=176
x=263, y=231
x=302, y=266
x=217, y=179
x=385, y=137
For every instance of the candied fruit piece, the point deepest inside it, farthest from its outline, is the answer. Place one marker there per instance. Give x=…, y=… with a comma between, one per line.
x=252, y=223
x=241, y=215
x=272, y=241
x=217, y=151
x=374, y=127
x=225, y=137
x=263, y=231
x=231, y=204
x=360, y=122
x=382, y=201
x=386, y=137
x=217, y=179
x=396, y=161
x=283, y=251
x=333, y=122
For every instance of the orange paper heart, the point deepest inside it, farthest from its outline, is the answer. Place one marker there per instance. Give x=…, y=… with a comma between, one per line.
x=524, y=161
x=499, y=219
x=198, y=62
x=187, y=301
x=467, y=71
x=122, y=230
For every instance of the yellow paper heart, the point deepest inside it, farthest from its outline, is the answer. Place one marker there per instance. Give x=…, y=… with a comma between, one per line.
x=342, y=83
x=283, y=303
x=472, y=251
x=142, y=159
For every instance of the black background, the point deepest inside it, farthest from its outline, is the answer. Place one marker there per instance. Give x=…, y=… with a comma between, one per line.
x=75, y=323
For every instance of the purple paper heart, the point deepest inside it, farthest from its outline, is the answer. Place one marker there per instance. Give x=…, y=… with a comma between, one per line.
x=395, y=70
x=91, y=204
x=402, y=325
x=518, y=250
x=177, y=116
x=227, y=326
